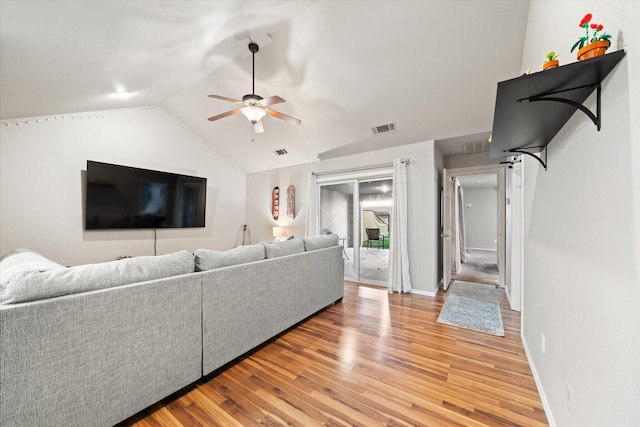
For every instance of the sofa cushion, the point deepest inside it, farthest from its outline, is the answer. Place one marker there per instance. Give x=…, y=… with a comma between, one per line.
x=14, y=265
x=35, y=284
x=207, y=259
x=320, y=242
x=288, y=247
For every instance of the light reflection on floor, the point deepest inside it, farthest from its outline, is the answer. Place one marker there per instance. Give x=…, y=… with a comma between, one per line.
x=372, y=304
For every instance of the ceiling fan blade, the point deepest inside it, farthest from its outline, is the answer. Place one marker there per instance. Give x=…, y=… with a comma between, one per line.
x=271, y=100
x=257, y=127
x=224, y=98
x=223, y=115
x=285, y=117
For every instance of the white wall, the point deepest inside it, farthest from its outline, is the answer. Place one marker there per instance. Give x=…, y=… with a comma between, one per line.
x=582, y=232
x=423, y=205
x=42, y=187
x=481, y=218
x=258, y=189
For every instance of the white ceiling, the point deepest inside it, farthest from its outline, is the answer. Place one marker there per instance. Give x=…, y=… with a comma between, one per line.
x=430, y=67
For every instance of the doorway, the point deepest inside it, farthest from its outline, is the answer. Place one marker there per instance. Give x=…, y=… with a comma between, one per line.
x=358, y=210
x=473, y=227
x=476, y=228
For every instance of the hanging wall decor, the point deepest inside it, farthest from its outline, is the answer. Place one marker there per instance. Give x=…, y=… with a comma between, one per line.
x=291, y=202
x=275, y=203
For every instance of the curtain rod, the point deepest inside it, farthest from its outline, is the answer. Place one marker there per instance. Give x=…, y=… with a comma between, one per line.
x=358, y=169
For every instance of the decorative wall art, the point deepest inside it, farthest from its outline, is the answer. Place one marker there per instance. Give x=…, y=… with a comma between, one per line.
x=291, y=202
x=275, y=203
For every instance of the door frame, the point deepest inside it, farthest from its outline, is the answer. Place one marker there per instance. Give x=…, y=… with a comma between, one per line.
x=354, y=177
x=447, y=220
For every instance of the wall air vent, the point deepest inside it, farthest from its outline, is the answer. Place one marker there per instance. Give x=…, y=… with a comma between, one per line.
x=389, y=127
x=280, y=152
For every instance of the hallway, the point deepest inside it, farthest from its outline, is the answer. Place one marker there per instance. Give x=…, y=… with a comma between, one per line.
x=481, y=267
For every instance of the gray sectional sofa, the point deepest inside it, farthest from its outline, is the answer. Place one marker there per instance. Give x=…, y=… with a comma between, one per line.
x=95, y=344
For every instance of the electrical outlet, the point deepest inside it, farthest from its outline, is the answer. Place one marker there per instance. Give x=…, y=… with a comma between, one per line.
x=569, y=398
x=543, y=343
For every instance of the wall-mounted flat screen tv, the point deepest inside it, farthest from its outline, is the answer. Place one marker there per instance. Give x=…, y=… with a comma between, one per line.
x=127, y=197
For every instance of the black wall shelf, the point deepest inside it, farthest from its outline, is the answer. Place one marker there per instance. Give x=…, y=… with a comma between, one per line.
x=531, y=109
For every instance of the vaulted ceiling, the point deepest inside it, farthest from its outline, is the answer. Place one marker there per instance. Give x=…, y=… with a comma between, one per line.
x=343, y=67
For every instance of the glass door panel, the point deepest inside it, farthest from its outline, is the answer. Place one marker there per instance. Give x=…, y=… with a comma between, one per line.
x=337, y=217
x=375, y=199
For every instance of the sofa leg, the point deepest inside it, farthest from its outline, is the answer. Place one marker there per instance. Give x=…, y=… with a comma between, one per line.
x=338, y=301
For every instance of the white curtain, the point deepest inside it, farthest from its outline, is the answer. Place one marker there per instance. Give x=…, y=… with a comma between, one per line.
x=311, y=221
x=399, y=280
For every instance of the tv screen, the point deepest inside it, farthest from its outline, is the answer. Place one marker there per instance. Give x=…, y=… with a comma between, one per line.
x=126, y=197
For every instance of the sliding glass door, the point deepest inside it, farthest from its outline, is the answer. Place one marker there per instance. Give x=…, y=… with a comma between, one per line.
x=337, y=217
x=358, y=211
x=375, y=210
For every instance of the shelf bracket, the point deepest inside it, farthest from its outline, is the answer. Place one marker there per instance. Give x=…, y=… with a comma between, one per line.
x=595, y=118
x=529, y=153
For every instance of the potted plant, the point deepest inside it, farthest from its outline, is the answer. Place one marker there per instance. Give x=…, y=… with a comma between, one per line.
x=552, y=62
x=594, y=46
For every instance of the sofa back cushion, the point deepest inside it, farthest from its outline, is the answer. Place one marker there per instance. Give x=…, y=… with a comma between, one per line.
x=320, y=242
x=14, y=265
x=33, y=282
x=288, y=247
x=207, y=259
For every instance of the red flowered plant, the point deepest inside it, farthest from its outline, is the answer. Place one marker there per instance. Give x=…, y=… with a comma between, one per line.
x=582, y=41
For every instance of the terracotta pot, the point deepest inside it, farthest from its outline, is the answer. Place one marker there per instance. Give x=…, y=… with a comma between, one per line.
x=550, y=64
x=593, y=49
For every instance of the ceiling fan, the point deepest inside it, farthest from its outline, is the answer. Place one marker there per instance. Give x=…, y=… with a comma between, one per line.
x=253, y=106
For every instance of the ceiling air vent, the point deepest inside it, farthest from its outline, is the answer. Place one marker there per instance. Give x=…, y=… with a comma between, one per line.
x=389, y=127
x=280, y=152
x=475, y=146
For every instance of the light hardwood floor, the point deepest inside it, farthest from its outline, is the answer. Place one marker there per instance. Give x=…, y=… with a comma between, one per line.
x=373, y=359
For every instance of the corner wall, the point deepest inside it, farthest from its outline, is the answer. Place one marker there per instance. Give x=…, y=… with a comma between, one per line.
x=582, y=233
x=42, y=164
x=424, y=208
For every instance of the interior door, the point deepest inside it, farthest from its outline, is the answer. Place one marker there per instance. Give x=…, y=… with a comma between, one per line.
x=447, y=228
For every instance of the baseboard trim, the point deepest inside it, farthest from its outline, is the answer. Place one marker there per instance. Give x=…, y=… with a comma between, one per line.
x=425, y=293
x=536, y=378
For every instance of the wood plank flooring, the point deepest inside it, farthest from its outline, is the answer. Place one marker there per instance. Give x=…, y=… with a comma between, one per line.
x=375, y=359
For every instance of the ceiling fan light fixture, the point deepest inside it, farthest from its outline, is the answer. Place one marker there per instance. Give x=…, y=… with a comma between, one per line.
x=254, y=107
x=254, y=114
